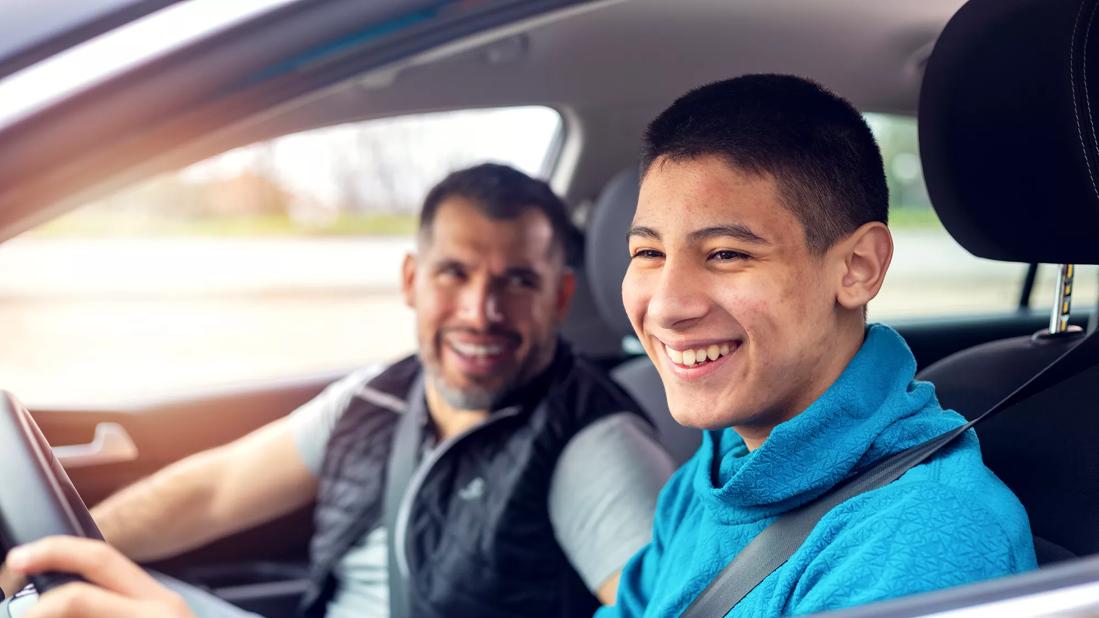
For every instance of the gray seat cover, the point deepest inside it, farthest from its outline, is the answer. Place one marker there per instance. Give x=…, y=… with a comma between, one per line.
x=607, y=255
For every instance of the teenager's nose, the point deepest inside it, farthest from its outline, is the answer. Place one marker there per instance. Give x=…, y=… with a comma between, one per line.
x=678, y=300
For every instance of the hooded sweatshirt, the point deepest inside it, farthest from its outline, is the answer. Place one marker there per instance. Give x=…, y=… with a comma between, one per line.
x=946, y=522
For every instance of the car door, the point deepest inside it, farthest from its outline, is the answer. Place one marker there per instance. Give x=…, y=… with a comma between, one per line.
x=262, y=569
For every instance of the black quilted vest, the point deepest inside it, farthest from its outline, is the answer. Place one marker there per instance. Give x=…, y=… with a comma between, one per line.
x=493, y=556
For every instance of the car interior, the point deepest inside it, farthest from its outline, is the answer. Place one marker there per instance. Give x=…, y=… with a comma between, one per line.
x=1009, y=151
x=977, y=81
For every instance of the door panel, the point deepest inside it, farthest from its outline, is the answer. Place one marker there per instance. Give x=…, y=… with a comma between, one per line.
x=260, y=569
x=167, y=430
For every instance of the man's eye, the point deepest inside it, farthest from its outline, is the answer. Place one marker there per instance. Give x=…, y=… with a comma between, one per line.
x=451, y=272
x=522, y=281
x=728, y=255
x=646, y=254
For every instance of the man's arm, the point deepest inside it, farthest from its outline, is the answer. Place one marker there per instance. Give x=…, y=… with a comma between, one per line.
x=603, y=496
x=209, y=495
x=638, y=579
x=608, y=592
x=259, y=477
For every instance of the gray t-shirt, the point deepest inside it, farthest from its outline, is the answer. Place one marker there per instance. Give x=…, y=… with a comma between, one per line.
x=601, y=502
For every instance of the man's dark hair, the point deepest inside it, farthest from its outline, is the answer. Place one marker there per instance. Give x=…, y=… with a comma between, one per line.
x=816, y=145
x=502, y=192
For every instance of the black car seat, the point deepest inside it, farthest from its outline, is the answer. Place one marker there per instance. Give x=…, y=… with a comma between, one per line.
x=1007, y=120
x=607, y=256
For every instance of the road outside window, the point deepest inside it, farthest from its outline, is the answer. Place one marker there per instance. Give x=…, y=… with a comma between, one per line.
x=280, y=259
x=931, y=275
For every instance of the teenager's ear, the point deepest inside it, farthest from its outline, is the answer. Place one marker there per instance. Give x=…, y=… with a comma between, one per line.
x=866, y=256
x=408, y=279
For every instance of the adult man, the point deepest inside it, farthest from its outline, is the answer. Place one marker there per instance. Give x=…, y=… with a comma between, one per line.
x=758, y=240
x=536, y=477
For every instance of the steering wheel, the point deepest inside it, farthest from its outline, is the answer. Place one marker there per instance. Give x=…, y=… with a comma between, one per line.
x=37, y=498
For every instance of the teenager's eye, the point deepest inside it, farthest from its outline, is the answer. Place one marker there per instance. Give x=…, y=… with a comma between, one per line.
x=646, y=254
x=728, y=255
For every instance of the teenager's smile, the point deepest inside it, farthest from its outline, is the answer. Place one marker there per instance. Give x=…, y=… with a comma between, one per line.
x=696, y=359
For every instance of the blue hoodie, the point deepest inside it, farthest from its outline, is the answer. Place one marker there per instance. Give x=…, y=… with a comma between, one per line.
x=946, y=522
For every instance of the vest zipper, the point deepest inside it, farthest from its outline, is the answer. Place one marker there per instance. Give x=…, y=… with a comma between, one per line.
x=404, y=512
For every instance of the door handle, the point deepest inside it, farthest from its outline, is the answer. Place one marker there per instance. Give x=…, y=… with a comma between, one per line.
x=111, y=444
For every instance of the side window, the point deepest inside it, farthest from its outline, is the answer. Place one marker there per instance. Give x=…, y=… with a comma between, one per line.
x=931, y=274
x=1085, y=288
x=274, y=260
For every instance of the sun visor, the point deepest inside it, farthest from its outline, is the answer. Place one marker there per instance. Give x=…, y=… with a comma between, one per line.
x=1007, y=123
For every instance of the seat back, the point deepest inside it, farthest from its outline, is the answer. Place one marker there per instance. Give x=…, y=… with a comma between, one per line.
x=1009, y=149
x=607, y=255
x=1043, y=448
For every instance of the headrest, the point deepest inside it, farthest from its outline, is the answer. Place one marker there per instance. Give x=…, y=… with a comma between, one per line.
x=1007, y=121
x=607, y=250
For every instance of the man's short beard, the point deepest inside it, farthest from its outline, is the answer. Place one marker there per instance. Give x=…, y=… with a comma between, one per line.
x=472, y=398
x=478, y=398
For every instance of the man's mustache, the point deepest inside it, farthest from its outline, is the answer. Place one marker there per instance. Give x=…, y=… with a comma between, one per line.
x=503, y=333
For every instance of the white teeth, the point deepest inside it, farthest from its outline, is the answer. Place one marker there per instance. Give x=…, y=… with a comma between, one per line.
x=471, y=349
x=690, y=358
x=675, y=355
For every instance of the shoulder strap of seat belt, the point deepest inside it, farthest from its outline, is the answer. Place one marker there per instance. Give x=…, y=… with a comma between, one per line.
x=774, y=546
x=403, y=456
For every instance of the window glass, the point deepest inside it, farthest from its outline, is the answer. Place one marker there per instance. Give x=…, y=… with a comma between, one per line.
x=277, y=259
x=931, y=274
x=1085, y=288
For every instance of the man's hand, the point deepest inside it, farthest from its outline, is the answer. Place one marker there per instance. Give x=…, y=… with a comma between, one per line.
x=118, y=588
x=10, y=581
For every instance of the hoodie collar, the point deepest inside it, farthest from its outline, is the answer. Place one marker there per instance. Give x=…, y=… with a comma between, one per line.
x=871, y=411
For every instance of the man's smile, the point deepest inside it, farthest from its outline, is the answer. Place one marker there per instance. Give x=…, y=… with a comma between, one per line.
x=480, y=355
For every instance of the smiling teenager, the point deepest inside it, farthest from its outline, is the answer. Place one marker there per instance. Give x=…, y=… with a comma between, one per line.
x=759, y=238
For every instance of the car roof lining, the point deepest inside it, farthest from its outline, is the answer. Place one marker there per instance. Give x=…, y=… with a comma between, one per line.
x=602, y=82
x=598, y=70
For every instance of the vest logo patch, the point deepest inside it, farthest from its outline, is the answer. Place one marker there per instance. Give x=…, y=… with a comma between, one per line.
x=474, y=490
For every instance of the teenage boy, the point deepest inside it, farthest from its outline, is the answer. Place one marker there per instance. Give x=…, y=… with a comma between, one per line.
x=759, y=238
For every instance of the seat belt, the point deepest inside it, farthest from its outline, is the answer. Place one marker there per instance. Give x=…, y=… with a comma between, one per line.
x=403, y=457
x=778, y=541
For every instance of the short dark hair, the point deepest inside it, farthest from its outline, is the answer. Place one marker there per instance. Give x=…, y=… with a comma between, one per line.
x=816, y=145
x=502, y=192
